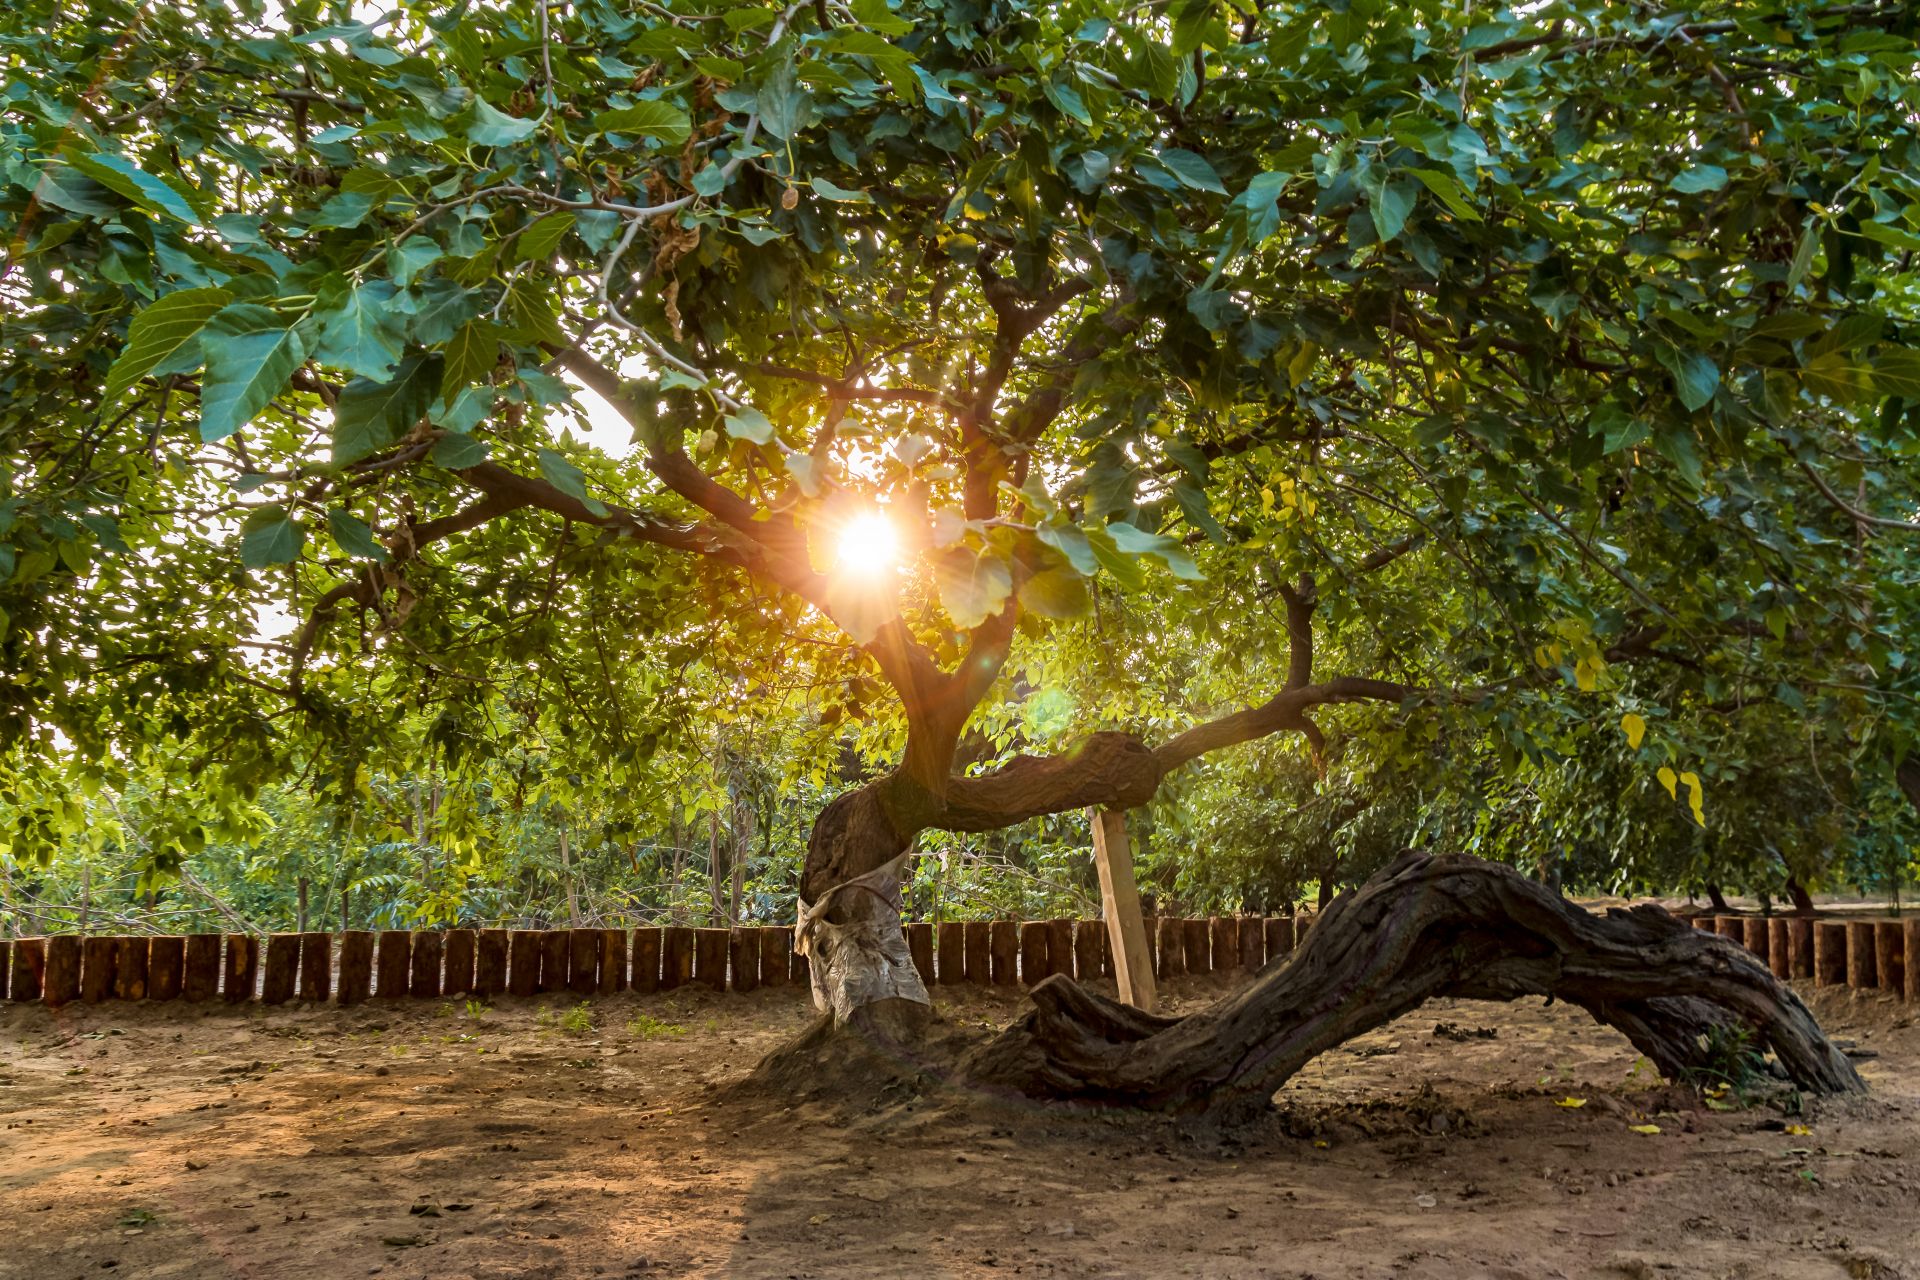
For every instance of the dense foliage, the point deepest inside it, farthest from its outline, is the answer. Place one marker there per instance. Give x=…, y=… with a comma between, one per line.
x=1558, y=364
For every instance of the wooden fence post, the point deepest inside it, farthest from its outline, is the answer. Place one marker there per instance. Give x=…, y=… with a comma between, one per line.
x=743, y=957
x=1033, y=951
x=166, y=961
x=1199, y=946
x=1279, y=937
x=243, y=966
x=1004, y=953
x=393, y=975
x=1089, y=948
x=1120, y=907
x=646, y=961
x=200, y=978
x=951, y=953
x=710, y=958
x=1060, y=948
x=613, y=961
x=1911, y=945
x=556, y=959
x=1253, y=943
x=29, y=971
x=1890, y=957
x=774, y=964
x=523, y=962
x=96, y=969
x=282, y=969
x=459, y=946
x=920, y=949
x=979, y=961
x=1862, y=974
x=1756, y=936
x=316, y=966
x=1779, y=947
x=1800, y=946
x=356, y=966
x=676, y=957
x=1225, y=937
x=429, y=946
x=1171, y=955
x=490, y=949
x=1830, y=953
x=1733, y=927
x=583, y=961
x=130, y=968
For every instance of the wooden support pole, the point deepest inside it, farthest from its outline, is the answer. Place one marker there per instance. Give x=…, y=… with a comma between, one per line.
x=583, y=961
x=1171, y=955
x=920, y=948
x=242, y=968
x=613, y=961
x=1779, y=947
x=393, y=974
x=1302, y=925
x=1199, y=946
x=429, y=947
x=96, y=969
x=490, y=951
x=1755, y=937
x=1120, y=907
x=979, y=962
x=952, y=953
x=710, y=958
x=316, y=967
x=1003, y=950
x=1253, y=943
x=130, y=967
x=743, y=957
x=282, y=971
x=523, y=963
x=646, y=961
x=1279, y=937
x=774, y=964
x=1862, y=973
x=356, y=966
x=459, y=947
x=27, y=981
x=6, y=962
x=1830, y=953
x=1089, y=949
x=1890, y=957
x=1800, y=946
x=676, y=957
x=166, y=962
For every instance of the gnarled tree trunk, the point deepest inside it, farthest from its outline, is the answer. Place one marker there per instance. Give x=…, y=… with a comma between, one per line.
x=1425, y=927
x=850, y=907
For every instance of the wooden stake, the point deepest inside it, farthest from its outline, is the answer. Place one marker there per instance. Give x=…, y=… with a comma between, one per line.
x=6, y=962
x=583, y=961
x=28, y=979
x=1226, y=943
x=710, y=958
x=646, y=961
x=356, y=966
x=774, y=964
x=1120, y=907
x=1003, y=951
x=676, y=957
x=316, y=967
x=1060, y=948
x=428, y=948
x=613, y=961
x=1199, y=946
x=556, y=959
x=920, y=947
x=130, y=968
x=523, y=966
x=1830, y=952
x=979, y=961
x=1172, y=955
x=1734, y=927
x=743, y=955
x=96, y=969
x=1779, y=947
x=242, y=968
x=799, y=972
x=490, y=950
x=393, y=975
x=1910, y=943
x=1862, y=973
x=952, y=953
x=282, y=969
x=166, y=957
x=459, y=960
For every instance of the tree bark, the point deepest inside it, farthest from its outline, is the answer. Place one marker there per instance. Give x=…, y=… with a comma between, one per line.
x=850, y=905
x=1426, y=927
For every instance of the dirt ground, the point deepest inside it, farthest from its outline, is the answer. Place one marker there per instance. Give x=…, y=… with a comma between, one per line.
x=424, y=1139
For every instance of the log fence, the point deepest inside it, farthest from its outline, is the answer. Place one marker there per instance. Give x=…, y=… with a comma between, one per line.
x=348, y=968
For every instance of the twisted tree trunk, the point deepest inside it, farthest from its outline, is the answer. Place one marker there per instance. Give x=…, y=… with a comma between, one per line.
x=1425, y=927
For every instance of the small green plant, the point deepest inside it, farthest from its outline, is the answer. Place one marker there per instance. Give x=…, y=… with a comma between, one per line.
x=444, y=1011
x=1730, y=1065
x=577, y=1021
x=647, y=1027
x=477, y=1008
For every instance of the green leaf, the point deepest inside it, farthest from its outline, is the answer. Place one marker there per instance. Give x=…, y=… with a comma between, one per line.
x=412, y=256
x=491, y=128
x=1695, y=376
x=875, y=16
x=1070, y=542
x=144, y=189
x=158, y=331
x=1702, y=177
x=662, y=121
x=471, y=357
x=568, y=479
x=784, y=106
x=1135, y=541
x=1897, y=373
x=1390, y=202
x=842, y=194
x=1192, y=169
x=539, y=241
x=456, y=452
x=268, y=537
x=1447, y=187
x=750, y=424
x=362, y=332
x=1055, y=593
x=372, y=415
x=973, y=585
x=251, y=353
x=353, y=536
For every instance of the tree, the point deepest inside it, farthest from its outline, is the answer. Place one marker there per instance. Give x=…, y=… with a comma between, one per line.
x=1535, y=377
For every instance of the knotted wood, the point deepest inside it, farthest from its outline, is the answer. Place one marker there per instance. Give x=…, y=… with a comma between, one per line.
x=1427, y=927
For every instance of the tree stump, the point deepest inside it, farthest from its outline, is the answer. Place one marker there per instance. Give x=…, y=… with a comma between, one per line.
x=1862, y=974
x=1426, y=927
x=27, y=981
x=583, y=961
x=166, y=960
x=710, y=958
x=743, y=957
x=1279, y=931
x=1199, y=940
x=96, y=969
x=356, y=966
x=1755, y=936
x=523, y=962
x=1253, y=943
x=676, y=957
x=1800, y=946
x=613, y=961
x=556, y=960
x=1779, y=947
x=979, y=963
x=242, y=968
x=774, y=964
x=316, y=967
x=200, y=978
x=428, y=949
x=1830, y=953
x=920, y=948
x=1003, y=951
x=459, y=946
x=490, y=951
x=1089, y=949
x=1034, y=965
x=393, y=973
x=1890, y=957
x=646, y=961
x=1172, y=950
x=951, y=966
x=282, y=969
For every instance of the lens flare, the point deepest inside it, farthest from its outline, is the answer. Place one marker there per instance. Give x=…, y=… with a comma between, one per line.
x=869, y=547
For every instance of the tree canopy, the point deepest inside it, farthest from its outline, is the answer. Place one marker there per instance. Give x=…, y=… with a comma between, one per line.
x=1544, y=379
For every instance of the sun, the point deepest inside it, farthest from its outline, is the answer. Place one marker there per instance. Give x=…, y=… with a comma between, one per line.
x=869, y=547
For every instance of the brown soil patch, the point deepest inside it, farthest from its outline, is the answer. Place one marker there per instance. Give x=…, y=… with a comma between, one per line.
x=412, y=1140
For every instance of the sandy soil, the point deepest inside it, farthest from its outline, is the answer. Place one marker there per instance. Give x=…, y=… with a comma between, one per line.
x=428, y=1140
